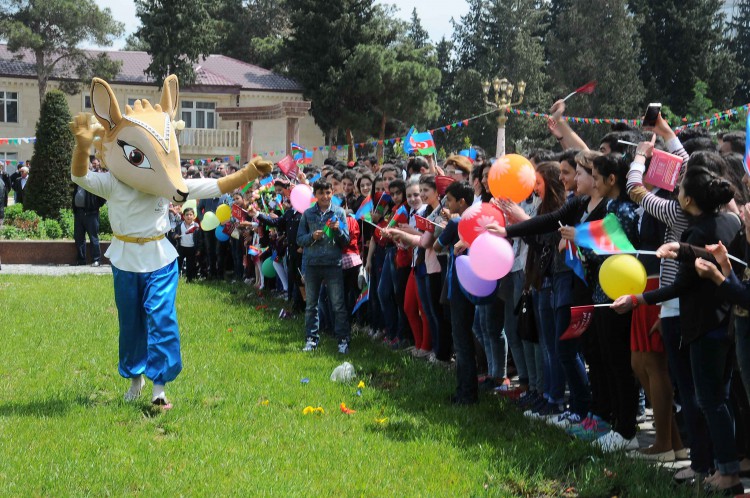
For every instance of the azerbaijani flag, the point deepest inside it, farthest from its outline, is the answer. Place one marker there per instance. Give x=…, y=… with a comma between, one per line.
x=303, y=157
x=314, y=178
x=327, y=228
x=421, y=143
x=603, y=236
x=382, y=200
x=400, y=216
x=471, y=153
x=365, y=210
x=254, y=251
x=265, y=181
x=573, y=261
x=362, y=299
x=296, y=147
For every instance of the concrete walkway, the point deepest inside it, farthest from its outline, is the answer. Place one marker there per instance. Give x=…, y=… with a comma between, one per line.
x=54, y=270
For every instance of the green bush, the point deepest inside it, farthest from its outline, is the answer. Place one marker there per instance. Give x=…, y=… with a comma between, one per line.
x=52, y=229
x=67, y=223
x=104, y=226
x=9, y=232
x=12, y=212
x=28, y=222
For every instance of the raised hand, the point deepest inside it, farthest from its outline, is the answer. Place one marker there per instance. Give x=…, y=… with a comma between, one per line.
x=83, y=130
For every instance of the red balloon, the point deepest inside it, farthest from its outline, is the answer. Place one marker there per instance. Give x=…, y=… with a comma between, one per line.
x=476, y=217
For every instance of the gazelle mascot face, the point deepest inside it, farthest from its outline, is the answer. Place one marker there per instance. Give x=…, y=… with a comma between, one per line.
x=140, y=148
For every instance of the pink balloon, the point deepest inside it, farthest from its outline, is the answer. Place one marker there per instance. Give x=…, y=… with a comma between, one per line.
x=491, y=257
x=469, y=280
x=301, y=197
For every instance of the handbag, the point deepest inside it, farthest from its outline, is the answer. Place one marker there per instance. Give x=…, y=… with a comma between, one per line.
x=527, y=329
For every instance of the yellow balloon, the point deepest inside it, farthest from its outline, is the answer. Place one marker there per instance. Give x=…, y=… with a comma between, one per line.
x=622, y=275
x=223, y=212
x=210, y=221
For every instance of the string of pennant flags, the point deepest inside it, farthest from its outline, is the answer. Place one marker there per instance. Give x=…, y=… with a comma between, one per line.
x=704, y=121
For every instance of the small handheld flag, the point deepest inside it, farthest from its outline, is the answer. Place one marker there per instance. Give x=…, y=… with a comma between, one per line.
x=603, y=236
x=580, y=320
x=400, y=216
x=586, y=89
x=362, y=299
x=471, y=153
x=420, y=143
x=365, y=209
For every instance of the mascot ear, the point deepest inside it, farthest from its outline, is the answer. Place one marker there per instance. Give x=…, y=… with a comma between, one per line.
x=169, y=95
x=105, y=106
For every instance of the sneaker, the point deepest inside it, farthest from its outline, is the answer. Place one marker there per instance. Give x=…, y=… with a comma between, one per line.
x=96, y=264
x=538, y=406
x=613, y=441
x=594, y=429
x=310, y=345
x=564, y=420
x=344, y=347
x=161, y=402
x=526, y=400
x=666, y=456
x=550, y=410
x=135, y=389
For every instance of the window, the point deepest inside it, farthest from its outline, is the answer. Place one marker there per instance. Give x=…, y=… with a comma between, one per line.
x=86, y=102
x=198, y=114
x=9, y=107
x=131, y=101
x=8, y=156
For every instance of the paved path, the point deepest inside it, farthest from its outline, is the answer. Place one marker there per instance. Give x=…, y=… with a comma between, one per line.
x=54, y=270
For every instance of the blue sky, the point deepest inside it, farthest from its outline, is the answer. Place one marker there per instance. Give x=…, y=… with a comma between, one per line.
x=435, y=15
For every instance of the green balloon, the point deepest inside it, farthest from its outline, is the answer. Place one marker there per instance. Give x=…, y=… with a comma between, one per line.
x=267, y=268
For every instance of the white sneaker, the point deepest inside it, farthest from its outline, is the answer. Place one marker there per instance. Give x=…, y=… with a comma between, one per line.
x=564, y=420
x=613, y=441
x=136, y=386
x=310, y=345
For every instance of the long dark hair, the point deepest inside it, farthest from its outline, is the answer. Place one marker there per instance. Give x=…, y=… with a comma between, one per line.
x=554, y=190
x=613, y=164
x=709, y=190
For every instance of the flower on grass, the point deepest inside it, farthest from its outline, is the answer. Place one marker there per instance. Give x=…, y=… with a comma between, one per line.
x=361, y=384
x=381, y=420
x=265, y=402
x=346, y=410
x=309, y=409
x=229, y=329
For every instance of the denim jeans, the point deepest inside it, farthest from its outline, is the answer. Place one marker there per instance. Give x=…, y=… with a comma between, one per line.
x=569, y=351
x=333, y=277
x=489, y=331
x=462, y=318
x=712, y=361
x=387, y=294
x=553, y=376
x=238, y=253
x=533, y=350
x=511, y=287
x=742, y=341
x=701, y=456
x=377, y=322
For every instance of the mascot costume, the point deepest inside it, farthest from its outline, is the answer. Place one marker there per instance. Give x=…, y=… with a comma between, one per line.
x=139, y=149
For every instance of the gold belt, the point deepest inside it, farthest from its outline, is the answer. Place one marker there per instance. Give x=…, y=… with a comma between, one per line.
x=137, y=240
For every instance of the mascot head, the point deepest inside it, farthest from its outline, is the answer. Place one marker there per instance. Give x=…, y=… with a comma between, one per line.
x=140, y=148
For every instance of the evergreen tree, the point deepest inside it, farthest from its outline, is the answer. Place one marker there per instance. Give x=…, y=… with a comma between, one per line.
x=683, y=42
x=48, y=189
x=253, y=31
x=417, y=34
x=53, y=30
x=740, y=47
x=177, y=33
x=578, y=55
x=499, y=38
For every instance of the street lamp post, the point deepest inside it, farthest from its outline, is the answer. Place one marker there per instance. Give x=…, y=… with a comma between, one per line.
x=503, y=96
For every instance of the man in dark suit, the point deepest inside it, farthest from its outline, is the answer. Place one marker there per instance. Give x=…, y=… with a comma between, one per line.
x=19, y=185
x=86, y=221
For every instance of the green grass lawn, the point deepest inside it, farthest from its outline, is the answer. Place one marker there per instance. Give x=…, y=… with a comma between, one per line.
x=64, y=429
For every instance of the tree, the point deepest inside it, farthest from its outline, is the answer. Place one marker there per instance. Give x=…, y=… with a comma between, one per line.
x=260, y=45
x=100, y=66
x=48, y=188
x=53, y=30
x=740, y=47
x=177, y=34
x=135, y=44
x=324, y=34
x=417, y=34
x=578, y=55
x=499, y=38
x=683, y=42
x=398, y=83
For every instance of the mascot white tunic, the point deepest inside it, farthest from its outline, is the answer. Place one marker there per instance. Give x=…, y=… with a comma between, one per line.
x=140, y=151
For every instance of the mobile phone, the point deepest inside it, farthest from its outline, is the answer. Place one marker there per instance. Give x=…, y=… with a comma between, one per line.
x=652, y=112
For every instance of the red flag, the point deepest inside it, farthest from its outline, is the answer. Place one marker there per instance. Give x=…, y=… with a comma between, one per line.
x=423, y=224
x=286, y=165
x=580, y=319
x=588, y=88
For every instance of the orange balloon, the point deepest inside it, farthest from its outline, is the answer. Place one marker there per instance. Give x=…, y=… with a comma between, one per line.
x=512, y=177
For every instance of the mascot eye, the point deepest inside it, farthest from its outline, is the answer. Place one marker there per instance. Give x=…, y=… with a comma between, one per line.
x=134, y=155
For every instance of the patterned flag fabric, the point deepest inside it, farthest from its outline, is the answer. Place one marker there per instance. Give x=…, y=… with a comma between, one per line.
x=603, y=236
x=381, y=202
x=365, y=210
x=327, y=228
x=303, y=157
x=573, y=261
x=400, y=216
x=419, y=143
x=580, y=319
x=362, y=299
x=265, y=181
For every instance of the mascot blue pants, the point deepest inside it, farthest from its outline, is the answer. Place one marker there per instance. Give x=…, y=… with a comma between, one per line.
x=149, y=336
